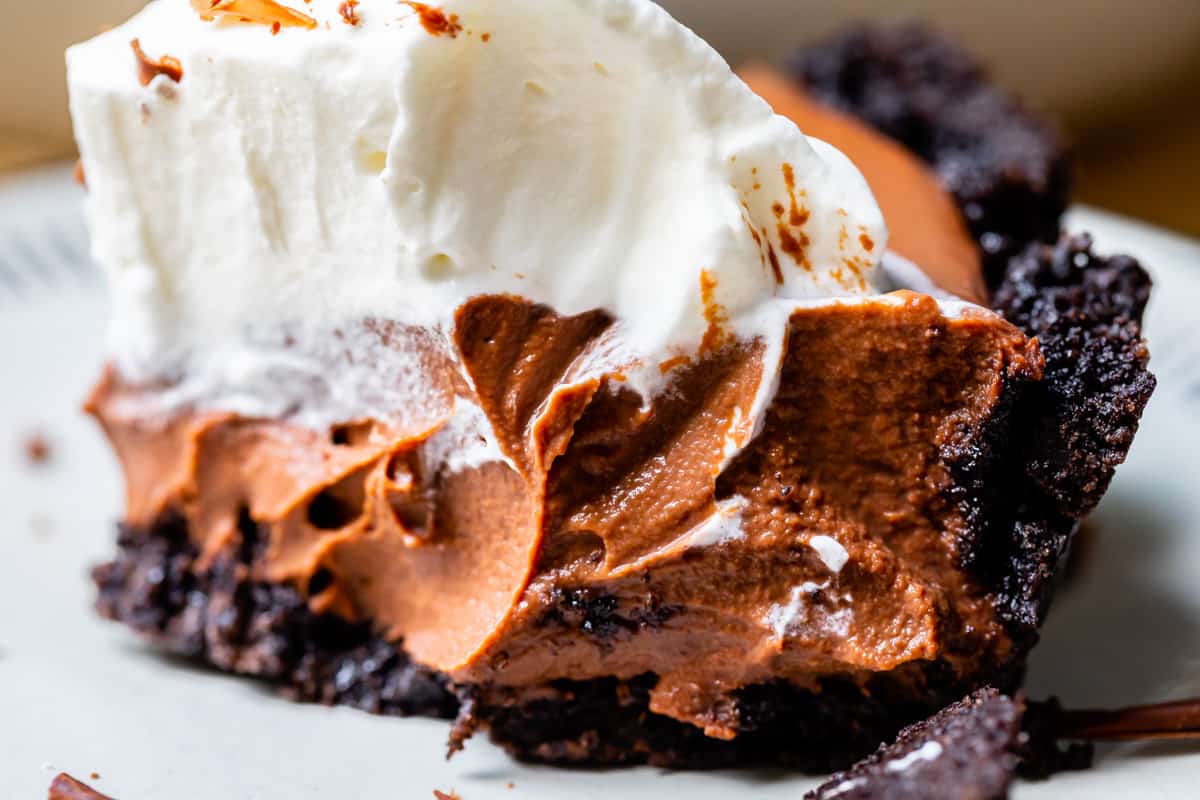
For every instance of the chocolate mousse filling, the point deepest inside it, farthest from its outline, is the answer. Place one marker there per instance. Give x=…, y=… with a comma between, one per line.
x=614, y=582
x=599, y=494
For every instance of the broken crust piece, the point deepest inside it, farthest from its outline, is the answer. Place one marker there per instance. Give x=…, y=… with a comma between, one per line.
x=969, y=751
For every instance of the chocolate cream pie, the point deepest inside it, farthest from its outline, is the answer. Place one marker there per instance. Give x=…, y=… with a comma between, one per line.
x=517, y=363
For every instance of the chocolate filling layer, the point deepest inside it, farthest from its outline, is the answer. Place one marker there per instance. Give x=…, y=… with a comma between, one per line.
x=611, y=539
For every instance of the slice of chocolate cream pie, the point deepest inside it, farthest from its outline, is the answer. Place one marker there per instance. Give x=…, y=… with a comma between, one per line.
x=516, y=362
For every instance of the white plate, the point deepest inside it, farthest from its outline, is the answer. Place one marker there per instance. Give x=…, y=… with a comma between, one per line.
x=82, y=695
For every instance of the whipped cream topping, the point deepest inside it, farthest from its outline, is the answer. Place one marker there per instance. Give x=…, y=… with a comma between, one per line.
x=580, y=153
x=801, y=615
x=832, y=554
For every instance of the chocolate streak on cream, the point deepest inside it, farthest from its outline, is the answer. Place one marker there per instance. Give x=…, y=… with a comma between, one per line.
x=435, y=21
x=926, y=226
x=595, y=491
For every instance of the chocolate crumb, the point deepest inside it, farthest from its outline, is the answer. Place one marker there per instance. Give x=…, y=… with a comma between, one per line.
x=78, y=175
x=465, y=725
x=349, y=12
x=37, y=449
x=95, y=776
x=64, y=787
x=149, y=69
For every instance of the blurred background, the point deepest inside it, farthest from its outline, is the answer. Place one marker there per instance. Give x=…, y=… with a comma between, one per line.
x=1123, y=76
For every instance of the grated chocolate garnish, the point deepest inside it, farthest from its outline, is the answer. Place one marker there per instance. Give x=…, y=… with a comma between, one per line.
x=436, y=21
x=349, y=12
x=262, y=12
x=149, y=69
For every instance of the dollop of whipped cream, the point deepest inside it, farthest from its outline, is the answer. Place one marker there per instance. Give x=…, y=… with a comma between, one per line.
x=390, y=160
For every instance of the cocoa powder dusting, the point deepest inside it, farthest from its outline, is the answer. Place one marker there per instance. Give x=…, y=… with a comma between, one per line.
x=795, y=246
x=926, y=224
x=773, y=257
x=437, y=22
x=792, y=238
x=758, y=240
x=717, y=334
x=799, y=214
x=673, y=363
x=149, y=69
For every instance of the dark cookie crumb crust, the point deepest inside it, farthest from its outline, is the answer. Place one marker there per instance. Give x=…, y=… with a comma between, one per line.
x=221, y=617
x=973, y=748
x=968, y=750
x=1026, y=494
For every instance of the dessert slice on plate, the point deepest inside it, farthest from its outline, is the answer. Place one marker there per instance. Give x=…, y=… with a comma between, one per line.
x=515, y=362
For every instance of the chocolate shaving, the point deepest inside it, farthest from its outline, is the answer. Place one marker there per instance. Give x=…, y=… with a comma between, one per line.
x=349, y=12
x=261, y=12
x=149, y=69
x=64, y=787
x=443, y=796
x=436, y=21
